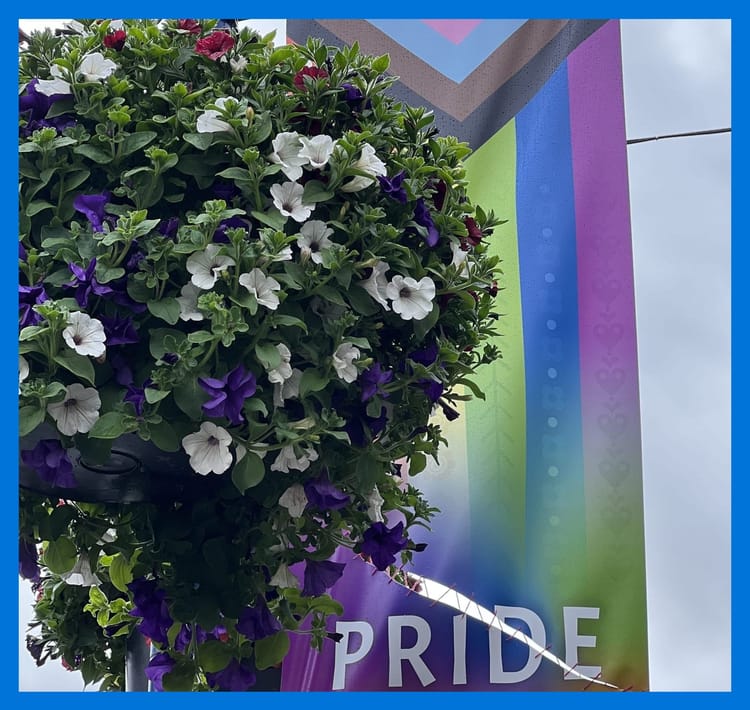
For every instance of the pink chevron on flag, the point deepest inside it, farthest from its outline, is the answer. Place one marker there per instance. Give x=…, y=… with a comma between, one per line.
x=455, y=31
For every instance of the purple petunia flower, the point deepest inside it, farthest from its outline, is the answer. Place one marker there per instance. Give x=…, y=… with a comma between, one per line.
x=225, y=191
x=381, y=543
x=432, y=388
x=170, y=358
x=29, y=296
x=320, y=576
x=228, y=394
x=149, y=603
x=168, y=227
x=121, y=366
x=92, y=207
x=28, y=557
x=36, y=105
x=185, y=636
x=50, y=460
x=322, y=494
x=85, y=283
x=257, y=622
x=393, y=187
x=220, y=235
x=159, y=665
x=426, y=355
x=236, y=676
x=119, y=330
x=423, y=218
x=372, y=381
x=137, y=396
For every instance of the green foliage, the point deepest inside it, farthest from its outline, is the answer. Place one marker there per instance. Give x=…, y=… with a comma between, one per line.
x=235, y=237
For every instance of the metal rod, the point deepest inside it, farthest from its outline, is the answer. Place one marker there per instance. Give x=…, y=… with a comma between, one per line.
x=136, y=660
x=679, y=135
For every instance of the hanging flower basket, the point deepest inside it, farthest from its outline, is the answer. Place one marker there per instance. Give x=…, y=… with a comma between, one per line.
x=247, y=278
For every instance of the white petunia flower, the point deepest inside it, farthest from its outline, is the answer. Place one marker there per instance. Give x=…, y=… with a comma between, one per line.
x=459, y=259
x=50, y=87
x=115, y=25
x=85, y=334
x=78, y=411
x=287, y=389
x=208, y=449
x=317, y=150
x=262, y=287
x=205, y=266
x=81, y=574
x=188, y=300
x=284, y=578
x=287, y=199
x=368, y=163
x=287, y=459
x=238, y=65
x=411, y=299
x=374, y=506
x=283, y=371
x=313, y=238
x=23, y=371
x=294, y=500
x=210, y=121
x=376, y=283
x=284, y=255
x=94, y=67
x=343, y=362
x=56, y=71
x=287, y=149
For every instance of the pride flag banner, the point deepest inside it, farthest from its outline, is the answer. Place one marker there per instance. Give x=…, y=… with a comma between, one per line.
x=540, y=487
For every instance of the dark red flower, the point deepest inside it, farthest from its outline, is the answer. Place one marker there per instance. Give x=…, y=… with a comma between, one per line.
x=191, y=26
x=475, y=234
x=312, y=72
x=115, y=40
x=215, y=45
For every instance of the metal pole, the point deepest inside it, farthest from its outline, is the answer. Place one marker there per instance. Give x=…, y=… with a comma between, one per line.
x=136, y=660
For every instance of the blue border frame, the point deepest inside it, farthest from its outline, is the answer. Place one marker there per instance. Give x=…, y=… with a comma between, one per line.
x=635, y=9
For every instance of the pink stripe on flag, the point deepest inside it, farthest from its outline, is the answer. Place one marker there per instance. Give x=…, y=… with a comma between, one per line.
x=455, y=31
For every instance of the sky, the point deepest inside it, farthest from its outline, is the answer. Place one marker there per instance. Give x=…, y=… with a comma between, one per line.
x=676, y=79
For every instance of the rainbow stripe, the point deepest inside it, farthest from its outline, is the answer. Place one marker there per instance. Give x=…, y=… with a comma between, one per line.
x=540, y=487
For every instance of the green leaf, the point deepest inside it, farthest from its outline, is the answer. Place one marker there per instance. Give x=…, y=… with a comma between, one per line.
x=75, y=178
x=214, y=656
x=31, y=331
x=120, y=573
x=312, y=381
x=248, y=472
x=268, y=355
x=235, y=174
x=417, y=463
x=29, y=418
x=422, y=327
x=109, y=426
x=168, y=309
x=368, y=470
x=189, y=396
x=331, y=294
x=200, y=336
x=200, y=140
x=164, y=436
x=136, y=141
x=37, y=206
x=180, y=678
x=273, y=218
x=315, y=191
x=164, y=340
x=281, y=319
x=77, y=364
x=60, y=555
x=95, y=154
x=271, y=650
x=153, y=395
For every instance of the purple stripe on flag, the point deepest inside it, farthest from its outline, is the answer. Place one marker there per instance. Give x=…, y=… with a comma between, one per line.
x=609, y=367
